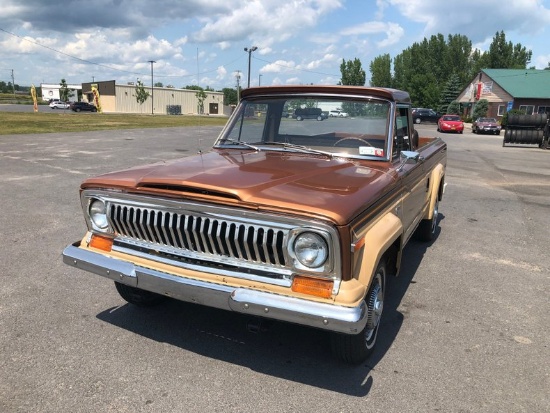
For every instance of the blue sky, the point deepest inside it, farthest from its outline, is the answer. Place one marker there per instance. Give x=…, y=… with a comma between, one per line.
x=202, y=41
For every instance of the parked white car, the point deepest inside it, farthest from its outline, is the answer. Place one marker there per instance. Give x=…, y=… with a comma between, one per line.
x=338, y=114
x=57, y=104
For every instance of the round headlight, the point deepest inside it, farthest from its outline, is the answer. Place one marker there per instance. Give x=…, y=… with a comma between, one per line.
x=98, y=214
x=311, y=249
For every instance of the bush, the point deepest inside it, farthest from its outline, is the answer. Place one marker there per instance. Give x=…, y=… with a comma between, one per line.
x=504, y=120
x=481, y=108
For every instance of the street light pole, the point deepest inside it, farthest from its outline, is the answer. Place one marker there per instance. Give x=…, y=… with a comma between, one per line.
x=238, y=76
x=152, y=86
x=259, y=80
x=249, y=50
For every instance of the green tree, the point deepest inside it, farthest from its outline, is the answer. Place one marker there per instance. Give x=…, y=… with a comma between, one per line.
x=453, y=108
x=480, y=109
x=458, y=58
x=201, y=96
x=229, y=96
x=63, y=91
x=450, y=92
x=141, y=93
x=159, y=84
x=380, y=69
x=193, y=87
x=352, y=73
x=505, y=55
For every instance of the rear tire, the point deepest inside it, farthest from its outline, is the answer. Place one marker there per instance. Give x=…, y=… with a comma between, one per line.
x=139, y=297
x=427, y=227
x=355, y=348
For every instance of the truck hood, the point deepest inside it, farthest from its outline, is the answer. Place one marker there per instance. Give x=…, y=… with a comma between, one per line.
x=337, y=189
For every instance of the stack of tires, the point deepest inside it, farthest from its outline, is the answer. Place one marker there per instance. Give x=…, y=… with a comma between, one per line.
x=527, y=130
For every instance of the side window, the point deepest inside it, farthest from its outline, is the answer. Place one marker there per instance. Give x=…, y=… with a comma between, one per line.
x=401, y=133
x=251, y=124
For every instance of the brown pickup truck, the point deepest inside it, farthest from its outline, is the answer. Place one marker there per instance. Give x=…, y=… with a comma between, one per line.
x=299, y=221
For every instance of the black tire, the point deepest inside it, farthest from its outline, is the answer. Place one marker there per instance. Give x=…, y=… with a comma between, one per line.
x=299, y=118
x=417, y=121
x=139, y=297
x=355, y=348
x=319, y=118
x=427, y=227
x=77, y=110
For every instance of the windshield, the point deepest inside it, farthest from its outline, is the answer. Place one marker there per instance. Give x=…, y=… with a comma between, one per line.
x=318, y=125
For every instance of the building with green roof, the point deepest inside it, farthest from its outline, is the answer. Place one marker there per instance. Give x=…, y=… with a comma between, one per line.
x=505, y=89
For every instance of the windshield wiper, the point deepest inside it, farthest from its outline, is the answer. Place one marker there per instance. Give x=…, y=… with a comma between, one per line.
x=239, y=143
x=300, y=148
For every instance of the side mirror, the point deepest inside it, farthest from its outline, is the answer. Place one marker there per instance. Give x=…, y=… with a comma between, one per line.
x=409, y=157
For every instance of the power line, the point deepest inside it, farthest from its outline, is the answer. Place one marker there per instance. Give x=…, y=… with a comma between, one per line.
x=68, y=55
x=110, y=67
x=160, y=75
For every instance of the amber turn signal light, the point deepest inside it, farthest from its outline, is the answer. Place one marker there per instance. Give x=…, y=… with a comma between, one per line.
x=312, y=286
x=101, y=243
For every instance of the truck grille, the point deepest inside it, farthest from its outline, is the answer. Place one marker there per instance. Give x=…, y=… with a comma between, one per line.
x=205, y=235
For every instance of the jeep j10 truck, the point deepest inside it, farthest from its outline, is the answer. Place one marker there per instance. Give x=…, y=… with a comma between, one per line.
x=294, y=221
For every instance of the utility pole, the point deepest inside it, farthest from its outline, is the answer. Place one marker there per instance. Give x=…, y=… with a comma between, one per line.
x=259, y=79
x=249, y=50
x=13, y=82
x=238, y=76
x=152, y=87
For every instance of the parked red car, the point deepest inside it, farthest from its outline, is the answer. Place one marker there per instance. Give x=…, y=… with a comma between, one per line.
x=450, y=123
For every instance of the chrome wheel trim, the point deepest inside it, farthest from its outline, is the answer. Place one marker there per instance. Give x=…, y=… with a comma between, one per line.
x=375, y=304
x=435, y=214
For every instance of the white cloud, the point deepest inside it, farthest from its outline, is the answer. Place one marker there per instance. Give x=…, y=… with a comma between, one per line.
x=393, y=32
x=265, y=22
x=478, y=20
x=279, y=66
x=222, y=72
x=293, y=81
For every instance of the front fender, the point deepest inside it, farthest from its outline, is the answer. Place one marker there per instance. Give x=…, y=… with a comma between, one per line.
x=377, y=240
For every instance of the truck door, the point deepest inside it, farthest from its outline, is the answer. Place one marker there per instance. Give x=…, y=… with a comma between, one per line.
x=413, y=177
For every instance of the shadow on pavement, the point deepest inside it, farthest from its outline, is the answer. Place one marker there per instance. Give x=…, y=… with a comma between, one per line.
x=283, y=350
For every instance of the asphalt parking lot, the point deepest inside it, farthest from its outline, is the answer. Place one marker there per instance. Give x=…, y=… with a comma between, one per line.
x=466, y=328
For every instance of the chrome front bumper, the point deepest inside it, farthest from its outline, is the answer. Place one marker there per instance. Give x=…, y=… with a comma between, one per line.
x=347, y=320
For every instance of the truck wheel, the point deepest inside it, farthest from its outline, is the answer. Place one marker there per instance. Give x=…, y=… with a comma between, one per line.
x=426, y=228
x=417, y=121
x=137, y=296
x=355, y=348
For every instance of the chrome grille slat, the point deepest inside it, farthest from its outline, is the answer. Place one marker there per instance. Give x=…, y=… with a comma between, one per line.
x=193, y=232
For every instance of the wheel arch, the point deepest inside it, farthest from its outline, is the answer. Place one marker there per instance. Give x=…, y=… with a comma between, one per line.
x=437, y=186
x=381, y=241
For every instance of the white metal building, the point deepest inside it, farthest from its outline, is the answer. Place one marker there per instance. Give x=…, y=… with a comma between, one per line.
x=51, y=91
